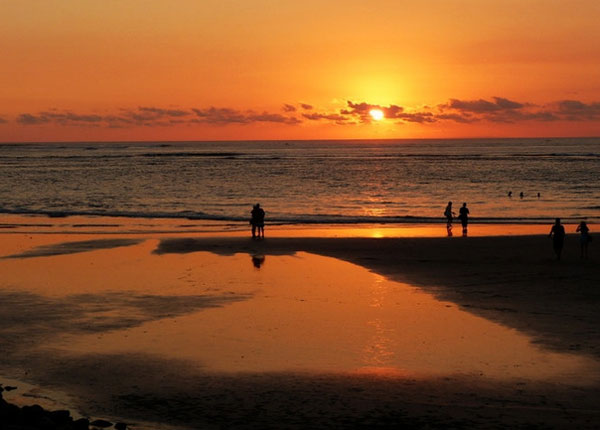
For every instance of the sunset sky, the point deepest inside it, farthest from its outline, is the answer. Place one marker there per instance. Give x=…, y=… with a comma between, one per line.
x=286, y=69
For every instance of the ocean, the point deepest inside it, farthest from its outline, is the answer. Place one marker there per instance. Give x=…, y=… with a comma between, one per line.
x=306, y=182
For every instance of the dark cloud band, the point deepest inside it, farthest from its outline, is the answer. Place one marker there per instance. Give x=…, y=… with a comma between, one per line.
x=494, y=110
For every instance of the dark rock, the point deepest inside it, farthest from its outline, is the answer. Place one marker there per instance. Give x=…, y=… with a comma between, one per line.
x=9, y=412
x=32, y=414
x=44, y=423
x=101, y=423
x=9, y=388
x=37, y=418
x=61, y=416
x=81, y=424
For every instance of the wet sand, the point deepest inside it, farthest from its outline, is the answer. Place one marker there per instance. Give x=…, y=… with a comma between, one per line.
x=514, y=280
x=511, y=280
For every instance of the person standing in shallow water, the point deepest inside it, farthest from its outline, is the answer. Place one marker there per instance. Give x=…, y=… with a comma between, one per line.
x=585, y=238
x=257, y=221
x=463, y=216
x=449, y=216
x=557, y=233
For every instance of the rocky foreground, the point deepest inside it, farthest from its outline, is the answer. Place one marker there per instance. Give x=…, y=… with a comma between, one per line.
x=35, y=417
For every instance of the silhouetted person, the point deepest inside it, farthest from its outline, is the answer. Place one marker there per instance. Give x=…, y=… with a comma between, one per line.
x=257, y=221
x=510, y=194
x=585, y=238
x=463, y=216
x=449, y=217
x=258, y=260
x=557, y=233
x=521, y=195
x=539, y=195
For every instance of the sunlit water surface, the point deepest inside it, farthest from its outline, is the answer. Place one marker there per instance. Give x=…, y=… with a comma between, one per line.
x=368, y=181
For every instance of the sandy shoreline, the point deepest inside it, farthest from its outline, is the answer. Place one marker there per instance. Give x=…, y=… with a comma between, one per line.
x=513, y=280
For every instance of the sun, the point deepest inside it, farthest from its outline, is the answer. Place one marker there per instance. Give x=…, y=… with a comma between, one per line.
x=376, y=114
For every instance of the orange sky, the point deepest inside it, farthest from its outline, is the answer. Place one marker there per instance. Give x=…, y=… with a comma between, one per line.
x=277, y=69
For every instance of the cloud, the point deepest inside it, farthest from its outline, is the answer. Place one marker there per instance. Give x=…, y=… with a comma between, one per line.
x=325, y=116
x=272, y=117
x=481, y=105
x=335, y=118
x=148, y=116
x=457, y=117
x=225, y=116
x=503, y=110
x=542, y=115
x=362, y=111
x=577, y=110
x=28, y=119
x=497, y=110
x=507, y=104
x=419, y=117
x=519, y=116
x=220, y=116
x=68, y=118
x=163, y=112
x=62, y=118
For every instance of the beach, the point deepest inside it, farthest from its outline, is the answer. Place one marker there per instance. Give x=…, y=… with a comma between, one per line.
x=222, y=331
x=299, y=215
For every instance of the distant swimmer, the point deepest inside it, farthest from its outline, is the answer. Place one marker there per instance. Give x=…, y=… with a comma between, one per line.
x=585, y=238
x=521, y=194
x=510, y=194
x=257, y=221
x=557, y=233
x=463, y=216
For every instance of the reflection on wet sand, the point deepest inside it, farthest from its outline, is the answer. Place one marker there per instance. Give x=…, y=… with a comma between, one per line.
x=258, y=260
x=309, y=313
x=64, y=248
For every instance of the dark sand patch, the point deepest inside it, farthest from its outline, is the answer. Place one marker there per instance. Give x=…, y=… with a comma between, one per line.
x=28, y=319
x=65, y=248
x=139, y=387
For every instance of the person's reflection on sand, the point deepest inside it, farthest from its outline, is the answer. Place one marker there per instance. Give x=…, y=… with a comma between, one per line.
x=449, y=229
x=258, y=260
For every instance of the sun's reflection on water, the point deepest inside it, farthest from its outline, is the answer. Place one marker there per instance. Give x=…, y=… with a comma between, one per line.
x=378, y=351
